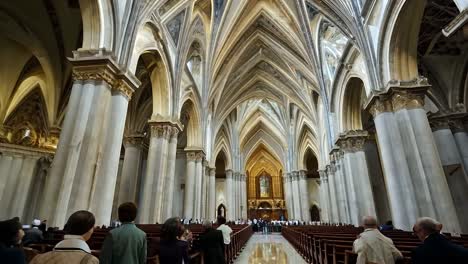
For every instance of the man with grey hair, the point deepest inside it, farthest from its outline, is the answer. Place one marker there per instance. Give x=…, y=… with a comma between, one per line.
x=212, y=244
x=436, y=248
x=373, y=247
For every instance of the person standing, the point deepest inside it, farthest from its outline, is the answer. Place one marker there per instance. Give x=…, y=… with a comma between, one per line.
x=173, y=248
x=127, y=243
x=436, y=248
x=373, y=247
x=10, y=237
x=73, y=249
x=226, y=230
x=212, y=244
x=34, y=234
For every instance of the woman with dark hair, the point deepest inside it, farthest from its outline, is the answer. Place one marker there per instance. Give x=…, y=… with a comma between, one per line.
x=11, y=234
x=73, y=249
x=172, y=249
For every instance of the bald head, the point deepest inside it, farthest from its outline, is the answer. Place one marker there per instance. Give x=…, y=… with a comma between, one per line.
x=369, y=222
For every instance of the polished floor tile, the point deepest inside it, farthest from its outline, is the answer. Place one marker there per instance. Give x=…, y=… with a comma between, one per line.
x=269, y=249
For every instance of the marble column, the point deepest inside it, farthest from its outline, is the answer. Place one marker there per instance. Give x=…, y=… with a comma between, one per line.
x=237, y=194
x=129, y=180
x=169, y=184
x=84, y=169
x=205, y=183
x=324, y=203
x=342, y=194
x=453, y=166
x=414, y=175
x=287, y=195
x=229, y=196
x=244, y=196
x=189, y=197
x=305, y=202
x=198, y=184
x=361, y=198
x=212, y=194
x=461, y=137
x=333, y=209
x=296, y=195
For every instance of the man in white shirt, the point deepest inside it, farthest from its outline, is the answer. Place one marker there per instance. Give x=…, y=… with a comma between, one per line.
x=373, y=247
x=226, y=230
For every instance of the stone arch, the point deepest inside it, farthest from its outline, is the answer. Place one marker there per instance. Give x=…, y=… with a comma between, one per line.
x=314, y=213
x=400, y=41
x=311, y=164
x=354, y=117
x=221, y=164
x=98, y=24
x=192, y=123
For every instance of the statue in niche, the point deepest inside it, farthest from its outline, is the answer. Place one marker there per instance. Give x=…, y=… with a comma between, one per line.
x=265, y=185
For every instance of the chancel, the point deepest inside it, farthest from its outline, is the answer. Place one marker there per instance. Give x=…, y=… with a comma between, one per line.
x=302, y=117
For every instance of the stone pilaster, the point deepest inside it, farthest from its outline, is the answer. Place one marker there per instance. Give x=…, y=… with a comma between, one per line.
x=333, y=202
x=90, y=139
x=229, y=195
x=414, y=174
x=212, y=194
x=200, y=155
x=336, y=155
x=131, y=169
x=189, y=196
x=296, y=195
x=304, y=195
x=288, y=195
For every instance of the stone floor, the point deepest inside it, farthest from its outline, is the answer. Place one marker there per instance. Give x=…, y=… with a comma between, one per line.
x=269, y=249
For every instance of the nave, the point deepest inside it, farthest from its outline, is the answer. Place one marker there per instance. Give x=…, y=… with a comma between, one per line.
x=269, y=249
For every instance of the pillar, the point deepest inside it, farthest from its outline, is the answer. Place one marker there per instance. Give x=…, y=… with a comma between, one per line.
x=189, y=197
x=168, y=194
x=211, y=212
x=229, y=196
x=453, y=166
x=413, y=171
x=205, y=183
x=131, y=168
x=360, y=197
x=244, y=196
x=288, y=195
x=461, y=137
x=198, y=184
x=342, y=194
x=296, y=195
x=333, y=209
x=84, y=169
x=304, y=196
x=324, y=203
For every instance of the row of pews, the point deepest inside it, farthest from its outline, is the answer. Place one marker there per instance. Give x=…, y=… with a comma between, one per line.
x=334, y=244
x=241, y=234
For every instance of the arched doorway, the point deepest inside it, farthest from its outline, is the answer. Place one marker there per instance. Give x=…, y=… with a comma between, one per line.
x=221, y=211
x=314, y=213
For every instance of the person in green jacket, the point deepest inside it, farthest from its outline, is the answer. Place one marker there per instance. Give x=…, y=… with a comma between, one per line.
x=127, y=243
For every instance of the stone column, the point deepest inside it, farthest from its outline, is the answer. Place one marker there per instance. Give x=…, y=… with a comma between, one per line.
x=205, y=193
x=229, y=196
x=198, y=184
x=287, y=195
x=333, y=209
x=244, y=196
x=324, y=204
x=168, y=194
x=342, y=194
x=189, y=197
x=237, y=194
x=304, y=194
x=296, y=195
x=453, y=166
x=129, y=181
x=212, y=194
x=461, y=138
x=361, y=198
x=414, y=175
x=84, y=169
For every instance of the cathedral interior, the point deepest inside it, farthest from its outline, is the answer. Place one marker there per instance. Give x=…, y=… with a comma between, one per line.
x=311, y=110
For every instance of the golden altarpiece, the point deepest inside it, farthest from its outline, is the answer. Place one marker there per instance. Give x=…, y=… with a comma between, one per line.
x=265, y=195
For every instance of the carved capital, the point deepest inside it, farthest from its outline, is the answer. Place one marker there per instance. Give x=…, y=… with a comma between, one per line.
x=133, y=141
x=191, y=156
x=353, y=140
x=456, y=125
x=165, y=129
x=408, y=99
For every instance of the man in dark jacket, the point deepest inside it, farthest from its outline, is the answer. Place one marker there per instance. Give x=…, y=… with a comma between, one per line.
x=34, y=234
x=212, y=244
x=436, y=247
x=127, y=243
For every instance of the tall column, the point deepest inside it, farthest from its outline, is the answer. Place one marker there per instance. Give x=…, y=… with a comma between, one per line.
x=324, y=203
x=342, y=196
x=205, y=183
x=211, y=212
x=453, y=166
x=84, y=169
x=131, y=169
x=198, y=184
x=360, y=188
x=333, y=209
x=244, y=196
x=305, y=203
x=189, y=197
x=168, y=194
x=288, y=195
x=296, y=195
x=414, y=175
x=237, y=194
x=229, y=196
x=461, y=138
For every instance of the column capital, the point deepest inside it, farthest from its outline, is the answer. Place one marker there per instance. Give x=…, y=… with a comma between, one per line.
x=454, y=121
x=168, y=129
x=135, y=140
x=336, y=153
x=398, y=95
x=352, y=140
x=100, y=65
x=229, y=173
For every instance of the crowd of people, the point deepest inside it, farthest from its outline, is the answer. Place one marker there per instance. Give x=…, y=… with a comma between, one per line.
x=127, y=243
